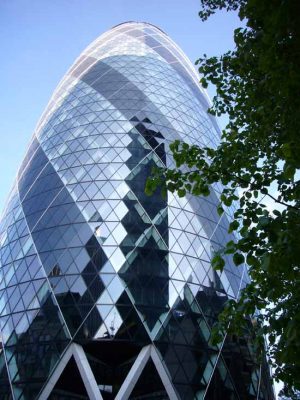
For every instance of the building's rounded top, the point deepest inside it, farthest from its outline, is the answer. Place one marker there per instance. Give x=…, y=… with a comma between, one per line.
x=139, y=23
x=138, y=39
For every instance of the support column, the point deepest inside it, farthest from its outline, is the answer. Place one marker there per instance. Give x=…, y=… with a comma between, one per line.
x=85, y=371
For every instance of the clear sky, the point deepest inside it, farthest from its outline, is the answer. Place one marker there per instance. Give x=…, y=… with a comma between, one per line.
x=40, y=39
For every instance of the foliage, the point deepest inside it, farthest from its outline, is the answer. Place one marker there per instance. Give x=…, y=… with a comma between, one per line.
x=258, y=88
x=294, y=396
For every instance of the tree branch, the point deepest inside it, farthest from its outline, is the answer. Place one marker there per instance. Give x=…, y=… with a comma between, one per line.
x=237, y=178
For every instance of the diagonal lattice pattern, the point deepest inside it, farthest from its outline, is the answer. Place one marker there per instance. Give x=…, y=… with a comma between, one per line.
x=88, y=259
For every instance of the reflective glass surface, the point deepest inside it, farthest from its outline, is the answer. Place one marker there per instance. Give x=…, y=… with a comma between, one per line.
x=88, y=258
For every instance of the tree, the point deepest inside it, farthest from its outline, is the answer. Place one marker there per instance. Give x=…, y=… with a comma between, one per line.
x=258, y=88
x=294, y=396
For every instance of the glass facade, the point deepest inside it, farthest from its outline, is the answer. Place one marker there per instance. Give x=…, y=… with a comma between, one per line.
x=104, y=292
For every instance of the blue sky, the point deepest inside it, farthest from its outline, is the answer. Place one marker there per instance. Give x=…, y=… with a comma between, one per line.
x=40, y=39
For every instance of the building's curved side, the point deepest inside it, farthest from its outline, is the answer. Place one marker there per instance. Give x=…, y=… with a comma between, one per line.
x=97, y=280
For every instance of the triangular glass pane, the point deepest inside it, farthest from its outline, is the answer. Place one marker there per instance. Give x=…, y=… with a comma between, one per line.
x=149, y=385
x=69, y=384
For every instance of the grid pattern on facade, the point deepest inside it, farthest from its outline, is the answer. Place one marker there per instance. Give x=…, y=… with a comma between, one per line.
x=87, y=257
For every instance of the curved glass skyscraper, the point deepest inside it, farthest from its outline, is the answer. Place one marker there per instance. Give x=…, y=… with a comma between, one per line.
x=106, y=293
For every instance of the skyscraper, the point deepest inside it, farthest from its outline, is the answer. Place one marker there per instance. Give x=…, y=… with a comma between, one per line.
x=106, y=293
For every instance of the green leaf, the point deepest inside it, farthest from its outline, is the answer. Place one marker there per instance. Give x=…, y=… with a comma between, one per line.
x=204, y=83
x=218, y=263
x=220, y=209
x=233, y=226
x=288, y=171
x=238, y=259
x=181, y=192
